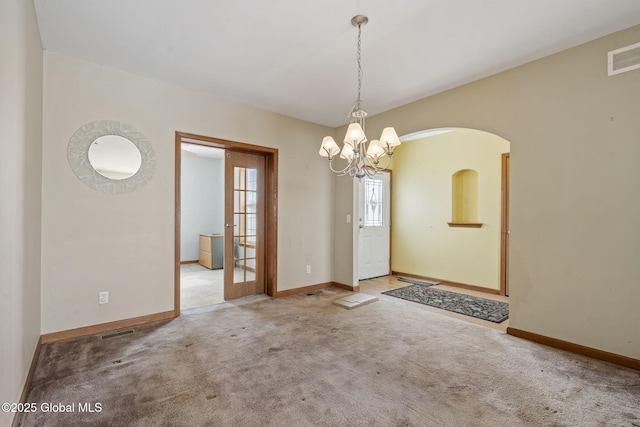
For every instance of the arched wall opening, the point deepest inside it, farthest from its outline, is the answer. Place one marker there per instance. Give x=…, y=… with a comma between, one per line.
x=429, y=239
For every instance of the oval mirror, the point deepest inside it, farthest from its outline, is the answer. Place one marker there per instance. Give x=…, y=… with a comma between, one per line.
x=114, y=157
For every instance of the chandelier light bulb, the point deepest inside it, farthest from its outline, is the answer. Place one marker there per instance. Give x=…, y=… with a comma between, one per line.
x=375, y=151
x=347, y=152
x=389, y=138
x=355, y=135
x=329, y=148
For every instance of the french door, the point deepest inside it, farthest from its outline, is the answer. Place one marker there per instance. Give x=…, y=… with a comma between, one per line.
x=244, y=224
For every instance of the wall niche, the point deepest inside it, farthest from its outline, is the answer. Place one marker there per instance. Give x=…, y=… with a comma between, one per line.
x=464, y=199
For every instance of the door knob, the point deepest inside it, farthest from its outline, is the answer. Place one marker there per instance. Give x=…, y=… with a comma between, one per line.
x=229, y=225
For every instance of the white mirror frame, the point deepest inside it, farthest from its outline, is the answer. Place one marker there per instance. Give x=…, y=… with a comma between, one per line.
x=78, y=156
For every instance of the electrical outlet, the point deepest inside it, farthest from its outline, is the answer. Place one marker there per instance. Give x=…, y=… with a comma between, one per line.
x=104, y=297
x=308, y=269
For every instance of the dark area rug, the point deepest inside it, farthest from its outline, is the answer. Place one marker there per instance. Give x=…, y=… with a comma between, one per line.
x=481, y=308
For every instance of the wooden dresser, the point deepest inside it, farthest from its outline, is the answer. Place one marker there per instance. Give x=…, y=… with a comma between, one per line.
x=211, y=250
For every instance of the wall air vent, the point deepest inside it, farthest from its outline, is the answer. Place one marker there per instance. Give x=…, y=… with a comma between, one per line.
x=624, y=59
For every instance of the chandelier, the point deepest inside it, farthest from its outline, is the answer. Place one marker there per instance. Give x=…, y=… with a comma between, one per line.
x=361, y=159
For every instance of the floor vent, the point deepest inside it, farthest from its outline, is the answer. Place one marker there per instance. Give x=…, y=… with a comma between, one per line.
x=117, y=334
x=624, y=59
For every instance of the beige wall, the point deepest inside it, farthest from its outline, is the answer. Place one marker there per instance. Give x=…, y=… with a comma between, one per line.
x=124, y=243
x=20, y=192
x=345, y=234
x=574, y=136
x=422, y=241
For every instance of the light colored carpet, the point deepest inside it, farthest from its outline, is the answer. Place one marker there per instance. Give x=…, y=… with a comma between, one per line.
x=303, y=361
x=200, y=287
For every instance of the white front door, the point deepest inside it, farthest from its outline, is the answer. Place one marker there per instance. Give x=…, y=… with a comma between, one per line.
x=375, y=226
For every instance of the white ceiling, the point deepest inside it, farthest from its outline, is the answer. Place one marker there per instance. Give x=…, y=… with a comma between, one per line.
x=298, y=57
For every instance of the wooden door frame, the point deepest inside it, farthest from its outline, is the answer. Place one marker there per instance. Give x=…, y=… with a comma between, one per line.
x=504, y=225
x=271, y=206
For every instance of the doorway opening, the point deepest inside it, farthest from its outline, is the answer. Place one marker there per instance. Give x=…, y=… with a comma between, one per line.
x=239, y=249
x=201, y=225
x=448, y=228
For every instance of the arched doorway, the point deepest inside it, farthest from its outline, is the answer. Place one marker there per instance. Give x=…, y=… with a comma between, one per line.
x=427, y=240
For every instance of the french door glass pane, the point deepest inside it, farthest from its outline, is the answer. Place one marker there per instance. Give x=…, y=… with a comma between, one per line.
x=252, y=179
x=245, y=224
x=251, y=197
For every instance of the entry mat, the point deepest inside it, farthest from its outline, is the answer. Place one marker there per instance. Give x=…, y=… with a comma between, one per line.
x=481, y=308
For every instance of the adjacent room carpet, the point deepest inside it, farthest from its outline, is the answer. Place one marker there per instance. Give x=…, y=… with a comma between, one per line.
x=481, y=308
x=200, y=286
x=303, y=361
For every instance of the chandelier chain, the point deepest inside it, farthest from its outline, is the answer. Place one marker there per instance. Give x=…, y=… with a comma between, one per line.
x=359, y=101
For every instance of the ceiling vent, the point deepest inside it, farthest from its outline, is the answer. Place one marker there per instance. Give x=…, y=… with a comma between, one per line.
x=624, y=59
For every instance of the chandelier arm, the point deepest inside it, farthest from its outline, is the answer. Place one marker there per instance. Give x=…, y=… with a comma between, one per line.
x=362, y=154
x=371, y=164
x=340, y=172
x=386, y=166
x=372, y=167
